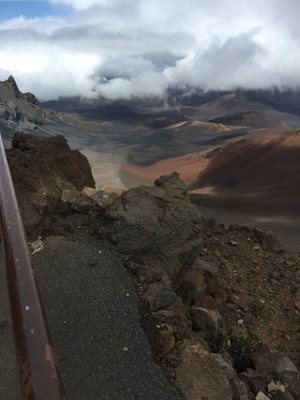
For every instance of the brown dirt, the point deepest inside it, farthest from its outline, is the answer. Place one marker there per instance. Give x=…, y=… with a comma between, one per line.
x=263, y=287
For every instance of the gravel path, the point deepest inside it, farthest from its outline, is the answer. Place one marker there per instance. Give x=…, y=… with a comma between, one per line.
x=92, y=309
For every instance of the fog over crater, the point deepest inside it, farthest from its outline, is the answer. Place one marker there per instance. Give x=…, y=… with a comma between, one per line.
x=128, y=48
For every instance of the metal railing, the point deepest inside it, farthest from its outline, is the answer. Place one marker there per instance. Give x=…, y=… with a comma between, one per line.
x=39, y=375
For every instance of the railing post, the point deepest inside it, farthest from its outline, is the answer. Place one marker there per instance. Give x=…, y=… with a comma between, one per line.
x=39, y=376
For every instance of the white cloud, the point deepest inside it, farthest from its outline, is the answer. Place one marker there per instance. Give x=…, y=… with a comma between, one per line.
x=124, y=48
x=84, y=4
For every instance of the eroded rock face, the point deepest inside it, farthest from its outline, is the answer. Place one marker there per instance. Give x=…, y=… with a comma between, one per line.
x=41, y=169
x=17, y=108
x=157, y=221
x=14, y=87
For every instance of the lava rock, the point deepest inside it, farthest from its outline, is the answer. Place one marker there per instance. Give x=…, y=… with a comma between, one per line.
x=267, y=239
x=158, y=222
x=206, y=320
x=40, y=167
x=164, y=299
x=274, y=365
x=226, y=367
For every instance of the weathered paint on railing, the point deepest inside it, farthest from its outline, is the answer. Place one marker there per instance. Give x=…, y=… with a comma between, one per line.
x=39, y=376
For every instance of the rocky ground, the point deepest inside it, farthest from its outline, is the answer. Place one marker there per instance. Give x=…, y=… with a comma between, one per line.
x=220, y=303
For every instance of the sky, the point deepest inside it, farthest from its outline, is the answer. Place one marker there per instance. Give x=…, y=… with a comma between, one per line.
x=135, y=48
x=31, y=8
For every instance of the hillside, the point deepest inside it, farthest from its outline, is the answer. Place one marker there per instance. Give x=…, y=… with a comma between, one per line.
x=267, y=166
x=240, y=103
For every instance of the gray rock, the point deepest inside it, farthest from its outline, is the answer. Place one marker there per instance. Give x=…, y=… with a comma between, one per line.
x=226, y=367
x=267, y=239
x=187, y=291
x=171, y=182
x=164, y=299
x=239, y=389
x=256, y=385
x=14, y=86
x=159, y=222
x=274, y=365
x=286, y=371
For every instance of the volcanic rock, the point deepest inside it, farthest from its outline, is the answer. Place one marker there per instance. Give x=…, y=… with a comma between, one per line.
x=274, y=365
x=206, y=320
x=14, y=87
x=164, y=299
x=41, y=168
x=30, y=98
x=261, y=396
x=267, y=239
x=158, y=222
x=193, y=284
x=165, y=341
x=19, y=110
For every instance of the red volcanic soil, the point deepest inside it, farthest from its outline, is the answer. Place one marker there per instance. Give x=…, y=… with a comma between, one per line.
x=264, y=166
x=188, y=166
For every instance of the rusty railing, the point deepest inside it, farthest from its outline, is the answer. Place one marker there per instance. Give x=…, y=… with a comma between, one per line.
x=39, y=375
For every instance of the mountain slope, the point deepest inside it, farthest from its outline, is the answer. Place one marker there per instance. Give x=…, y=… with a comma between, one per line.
x=264, y=165
x=267, y=166
x=239, y=103
x=18, y=108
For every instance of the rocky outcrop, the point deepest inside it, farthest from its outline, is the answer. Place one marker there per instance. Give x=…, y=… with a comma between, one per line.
x=19, y=109
x=42, y=170
x=14, y=87
x=155, y=223
x=30, y=98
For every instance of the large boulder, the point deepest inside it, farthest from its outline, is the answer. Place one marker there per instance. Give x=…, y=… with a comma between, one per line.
x=158, y=222
x=41, y=168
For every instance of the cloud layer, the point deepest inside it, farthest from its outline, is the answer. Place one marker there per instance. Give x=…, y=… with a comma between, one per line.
x=125, y=48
